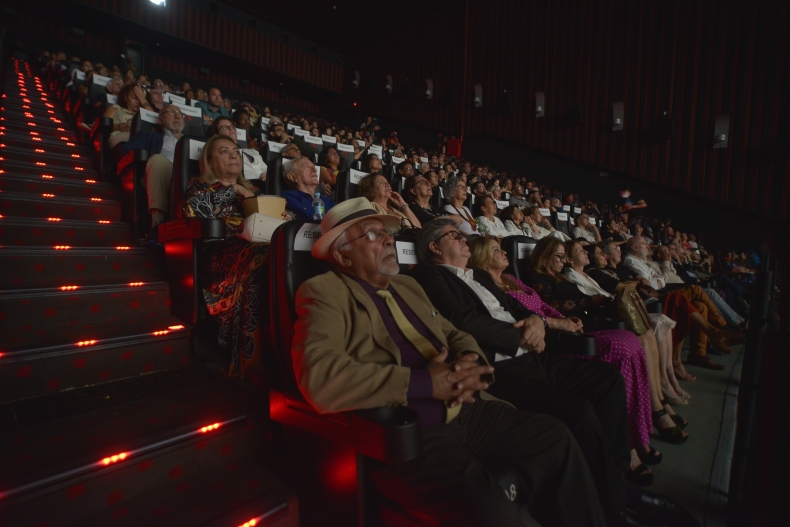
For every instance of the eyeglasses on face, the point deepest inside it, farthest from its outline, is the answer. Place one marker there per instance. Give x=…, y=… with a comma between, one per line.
x=226, y=128
x=455, y=235
x=374, y=235
x=561, y=257
x=174, y=113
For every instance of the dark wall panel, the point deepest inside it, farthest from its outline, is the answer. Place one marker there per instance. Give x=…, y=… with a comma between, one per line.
x=694, y=60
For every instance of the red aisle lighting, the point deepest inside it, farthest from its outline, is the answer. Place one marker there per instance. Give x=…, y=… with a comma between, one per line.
x=86, y=343
x=69, y=287
x=114, y=459
x=90, y=181
x=104, y=221
x=209, y=428
x=78, y=168
x=95, y=199
x=54, y=219
x=62, y=247
x=175, y=327
x=135, y=284
x=48, y=195
x=47, y=176
x=122, y=248
x=249, y=523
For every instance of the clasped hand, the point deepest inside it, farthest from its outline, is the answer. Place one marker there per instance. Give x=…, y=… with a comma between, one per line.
x=456, y=382
x=533, y=333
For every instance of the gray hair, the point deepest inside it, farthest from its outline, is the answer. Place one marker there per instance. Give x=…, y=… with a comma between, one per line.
x=340, y=242
x=607, y=246
x=452, y=184
x=289, y=167
x=430, y=233
x=631, y=243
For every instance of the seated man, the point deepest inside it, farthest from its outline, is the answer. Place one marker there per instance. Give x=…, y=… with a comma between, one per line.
x=213, y=108
x=301, y=175
x=159, y=168
x=366, y=338
x=588, y=396
x=517, y=198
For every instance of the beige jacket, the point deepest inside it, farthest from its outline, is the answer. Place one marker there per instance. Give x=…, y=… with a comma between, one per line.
x=343, y=356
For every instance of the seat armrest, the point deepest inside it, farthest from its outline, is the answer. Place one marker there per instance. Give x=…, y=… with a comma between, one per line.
x=655, y=307
x=603, y=323
x=191, y=228
x=390, y=434
x=141, y=157
x=570, y=343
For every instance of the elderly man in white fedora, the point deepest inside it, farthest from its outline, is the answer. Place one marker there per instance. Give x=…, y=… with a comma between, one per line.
x=367, y=337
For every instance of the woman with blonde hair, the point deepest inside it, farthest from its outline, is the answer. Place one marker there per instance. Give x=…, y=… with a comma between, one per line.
x=233, y=272
x=618, y=347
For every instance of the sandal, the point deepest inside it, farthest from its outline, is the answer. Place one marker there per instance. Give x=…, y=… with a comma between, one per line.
x=640, y=476
x=684, y=376
x=650, y=458
x=673, y=434
x=674, y=400
x=678, y=420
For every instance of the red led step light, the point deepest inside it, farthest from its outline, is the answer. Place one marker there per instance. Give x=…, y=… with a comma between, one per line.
x=75, y=155
x=69, y=287
x=104, y=221
x=78, y=168
x=90, y=181
x=175, y=327
x=48, y=195
x=35, y=138
x=135, y=284
x=160, y=333
x=249, y=523
x=47, y=176
x=114, y=459
x=86, y=343
x=38, y=150
x=122, y=248
x=62, y=247
x=40, y=163
x=61, y=129
x=209, y=428
x=95, y=199
x=54, y=219
x=69, y=144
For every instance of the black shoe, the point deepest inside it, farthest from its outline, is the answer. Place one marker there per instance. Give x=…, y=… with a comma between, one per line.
x=153, y=238
x=649, y=507
x=640, y=476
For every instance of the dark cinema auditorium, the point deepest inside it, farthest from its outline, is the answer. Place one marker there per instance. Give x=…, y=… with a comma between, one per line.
x=462, y=263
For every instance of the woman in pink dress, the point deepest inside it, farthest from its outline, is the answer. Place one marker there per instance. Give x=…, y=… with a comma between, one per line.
x=617, y=347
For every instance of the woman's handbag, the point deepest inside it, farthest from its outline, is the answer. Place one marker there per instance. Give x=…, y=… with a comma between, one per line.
x=630, y=308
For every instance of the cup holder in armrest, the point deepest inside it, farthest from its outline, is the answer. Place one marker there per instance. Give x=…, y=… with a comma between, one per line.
x=390, y=434
x=570, y=343
x=191, y=228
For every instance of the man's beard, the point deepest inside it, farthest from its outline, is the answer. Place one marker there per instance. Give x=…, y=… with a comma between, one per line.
x=389, y=266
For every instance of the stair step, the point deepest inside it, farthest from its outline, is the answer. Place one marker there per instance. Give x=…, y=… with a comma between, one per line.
x=159, y=426
x=25, y=142
x=28, y=159
x=61, y=132
x=29, y=155
x=31, y=169
x=45, y=205
x=62, y=187
x=49, y=205
x=34, y=372
x=47, y=140
x=14, y=100
x=66, y=233
x=43, y=117
x=41, y=267
x=56, y=316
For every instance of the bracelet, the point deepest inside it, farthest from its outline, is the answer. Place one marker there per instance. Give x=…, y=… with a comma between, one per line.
x=404, y=207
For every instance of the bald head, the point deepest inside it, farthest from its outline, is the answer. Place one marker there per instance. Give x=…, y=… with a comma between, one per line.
x=171, y=118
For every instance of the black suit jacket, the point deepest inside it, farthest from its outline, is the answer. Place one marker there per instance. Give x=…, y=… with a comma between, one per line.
x=458, y=303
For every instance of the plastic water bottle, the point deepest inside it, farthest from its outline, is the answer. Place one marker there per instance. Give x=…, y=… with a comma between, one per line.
x=318, y=207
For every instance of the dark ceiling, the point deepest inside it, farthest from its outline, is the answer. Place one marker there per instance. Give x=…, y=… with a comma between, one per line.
x=340, y=25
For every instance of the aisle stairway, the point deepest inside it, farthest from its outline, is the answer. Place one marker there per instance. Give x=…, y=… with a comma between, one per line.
x=105, y=419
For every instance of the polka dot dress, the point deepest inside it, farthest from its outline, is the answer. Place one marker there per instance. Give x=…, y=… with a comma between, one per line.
x=618, y=347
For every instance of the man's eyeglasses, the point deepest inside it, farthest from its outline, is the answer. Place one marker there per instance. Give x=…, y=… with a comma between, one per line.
x=455, y=235
x=226, y=127
x=374, y=235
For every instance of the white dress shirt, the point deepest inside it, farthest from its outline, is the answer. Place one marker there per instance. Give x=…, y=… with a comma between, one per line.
x=489, y=300
x=169, y=145
x=640, y=267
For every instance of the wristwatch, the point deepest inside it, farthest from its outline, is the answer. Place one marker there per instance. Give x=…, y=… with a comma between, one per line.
x=545, y=322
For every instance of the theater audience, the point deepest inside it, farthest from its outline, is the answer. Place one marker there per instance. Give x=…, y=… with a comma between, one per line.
x=161, y=147
x=419, y=191
x=243, y=121
x=376, y=189
x=329, y=164
x=539, y=226
x=517, y=198
x=617, y=347
x=456, y=193
x=302, y=177
x=348, y=333
x=233, y=273
x=588, y=396
x=513, y=220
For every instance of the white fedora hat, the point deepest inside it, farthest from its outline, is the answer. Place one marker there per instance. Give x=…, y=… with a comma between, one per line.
x=344, y=215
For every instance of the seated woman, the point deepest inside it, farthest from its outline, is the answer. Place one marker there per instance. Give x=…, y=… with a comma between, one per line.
x=456, y=193
x=254, y=167
x=378, y=191
x=547, y=278
x=371, y=164
x=513, y=220
x=584, y=229
x=329, y=164
x=485, y=210
x=539, y=225
x=130, y=99
x=233, y=273
x=419, y=191
x=156, y=99
x=617, y=347
x=302, y=177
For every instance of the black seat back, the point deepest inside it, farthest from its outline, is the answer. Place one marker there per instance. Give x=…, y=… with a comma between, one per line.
x=291, y=264
x=346, y=153
x=347, y=181
x=186, y=165
x=241, y=137
x=518, y=249
x=562, y=222
x=275, y=182
x=193, y=120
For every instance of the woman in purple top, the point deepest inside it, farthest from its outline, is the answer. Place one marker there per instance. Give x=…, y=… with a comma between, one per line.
x=617, y=347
